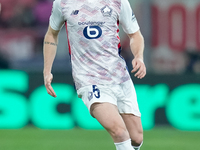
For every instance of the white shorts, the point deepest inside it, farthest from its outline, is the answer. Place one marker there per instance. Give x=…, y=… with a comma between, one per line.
x=122, y=95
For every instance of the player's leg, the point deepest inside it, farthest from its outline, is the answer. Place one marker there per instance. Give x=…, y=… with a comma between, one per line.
x=134, y=126
x=108, y=116
x=129, y=110
x=102, y=102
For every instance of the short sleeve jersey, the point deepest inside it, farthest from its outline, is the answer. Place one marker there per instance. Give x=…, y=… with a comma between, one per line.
x=93, y=38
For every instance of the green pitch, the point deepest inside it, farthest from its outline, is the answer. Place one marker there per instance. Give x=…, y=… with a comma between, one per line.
x=30, y=138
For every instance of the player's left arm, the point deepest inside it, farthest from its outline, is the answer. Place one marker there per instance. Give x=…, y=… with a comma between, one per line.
x=130, y=25
x=137, y=48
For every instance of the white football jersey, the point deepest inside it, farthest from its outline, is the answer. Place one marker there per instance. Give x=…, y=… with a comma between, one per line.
x=93, y=38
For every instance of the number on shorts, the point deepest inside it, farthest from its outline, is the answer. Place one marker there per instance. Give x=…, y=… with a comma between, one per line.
x=96, y=91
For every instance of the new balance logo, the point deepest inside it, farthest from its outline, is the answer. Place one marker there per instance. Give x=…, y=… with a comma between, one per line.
x=75, y=12
x=133, y=17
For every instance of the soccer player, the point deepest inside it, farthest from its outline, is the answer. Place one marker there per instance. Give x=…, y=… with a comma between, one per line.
x=99, y=72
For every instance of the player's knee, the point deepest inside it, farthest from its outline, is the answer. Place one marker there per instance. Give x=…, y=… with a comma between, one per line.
x=137, y=141
x=119, y=133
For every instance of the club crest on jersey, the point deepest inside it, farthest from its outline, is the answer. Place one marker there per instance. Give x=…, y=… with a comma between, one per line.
x=90, y=96
x=106, y=11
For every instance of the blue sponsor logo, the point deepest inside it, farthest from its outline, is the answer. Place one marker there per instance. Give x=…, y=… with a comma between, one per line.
x=92, y=32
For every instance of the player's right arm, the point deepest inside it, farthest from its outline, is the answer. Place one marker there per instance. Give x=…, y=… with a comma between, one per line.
x=50, y=44
x=49, y=52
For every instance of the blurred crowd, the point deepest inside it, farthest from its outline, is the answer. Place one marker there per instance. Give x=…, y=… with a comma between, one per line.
x=23, y=24
x=24, y=13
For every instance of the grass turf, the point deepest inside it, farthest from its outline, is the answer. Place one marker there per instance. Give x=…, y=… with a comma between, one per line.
x=31, y=138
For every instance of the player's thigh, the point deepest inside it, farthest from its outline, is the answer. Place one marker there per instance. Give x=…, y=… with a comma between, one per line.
x=102, y=105
x=134, y=126
x=108, y=116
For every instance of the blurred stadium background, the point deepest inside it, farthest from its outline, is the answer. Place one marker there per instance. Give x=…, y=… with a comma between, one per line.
x=169, y=96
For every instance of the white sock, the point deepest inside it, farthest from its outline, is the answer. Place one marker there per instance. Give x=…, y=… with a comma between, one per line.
x=137, y=147
x=126, y=145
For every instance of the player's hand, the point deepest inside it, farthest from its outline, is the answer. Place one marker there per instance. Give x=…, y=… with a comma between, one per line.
x=47, y=82
x=138, y=67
